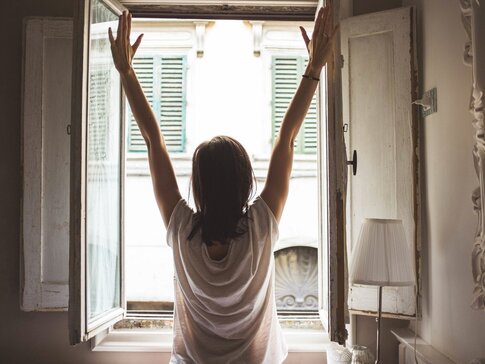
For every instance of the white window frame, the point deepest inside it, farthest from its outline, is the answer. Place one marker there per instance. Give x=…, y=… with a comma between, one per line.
x=77, y=280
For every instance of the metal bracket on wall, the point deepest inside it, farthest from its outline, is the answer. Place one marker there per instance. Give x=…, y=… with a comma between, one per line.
x=428, y=102
x=353, y=163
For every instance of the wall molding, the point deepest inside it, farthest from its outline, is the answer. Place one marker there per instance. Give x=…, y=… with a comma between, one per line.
x=473, y=18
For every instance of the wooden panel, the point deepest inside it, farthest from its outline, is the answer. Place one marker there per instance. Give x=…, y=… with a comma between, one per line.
x=55, y=159
x=45, y=205
x=372, y=129
x=228, y=9
x=332, y=160
x=377, y=79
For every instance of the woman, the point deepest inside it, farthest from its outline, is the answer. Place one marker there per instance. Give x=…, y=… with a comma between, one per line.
x=225, y=309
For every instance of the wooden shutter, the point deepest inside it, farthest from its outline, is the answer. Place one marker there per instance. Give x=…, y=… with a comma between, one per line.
x=163, y=80
x=378, y=77
x=287, y=71
x=45, y=159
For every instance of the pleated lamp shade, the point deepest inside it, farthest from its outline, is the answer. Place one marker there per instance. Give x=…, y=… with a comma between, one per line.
x=382, y=256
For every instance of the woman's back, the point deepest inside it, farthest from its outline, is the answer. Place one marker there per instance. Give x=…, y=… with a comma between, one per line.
x=225, y=309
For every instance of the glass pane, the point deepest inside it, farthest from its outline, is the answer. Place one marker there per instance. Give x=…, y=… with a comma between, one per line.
x=324, y=236
x=103, y=199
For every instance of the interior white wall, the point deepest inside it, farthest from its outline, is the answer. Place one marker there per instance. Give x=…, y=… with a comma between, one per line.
x=448, y=323
x=448, y=178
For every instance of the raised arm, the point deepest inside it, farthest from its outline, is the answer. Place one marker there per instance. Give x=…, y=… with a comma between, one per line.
x=319, y=48
x=163, y=177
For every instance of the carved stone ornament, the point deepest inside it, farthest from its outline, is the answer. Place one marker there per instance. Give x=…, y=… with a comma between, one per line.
x=473, y=17
x=296, y=279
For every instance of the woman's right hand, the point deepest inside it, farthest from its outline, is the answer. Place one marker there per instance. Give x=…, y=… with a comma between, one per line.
x=320, y=46
x=121, y=49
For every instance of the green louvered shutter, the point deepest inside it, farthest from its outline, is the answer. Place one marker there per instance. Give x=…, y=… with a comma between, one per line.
x=309, y=135
x=172, y=102
x=144, y=68
x=286, y=76
x=163, y=81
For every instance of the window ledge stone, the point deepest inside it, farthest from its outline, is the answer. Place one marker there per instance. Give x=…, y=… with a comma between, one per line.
x=149, y=340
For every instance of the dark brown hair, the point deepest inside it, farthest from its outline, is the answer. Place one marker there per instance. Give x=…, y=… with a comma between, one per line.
x=223, y=184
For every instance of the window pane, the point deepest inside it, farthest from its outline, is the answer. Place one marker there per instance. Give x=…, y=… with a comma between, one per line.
x=103, y=202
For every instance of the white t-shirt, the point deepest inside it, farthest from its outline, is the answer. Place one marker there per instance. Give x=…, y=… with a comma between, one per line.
x=225, y=311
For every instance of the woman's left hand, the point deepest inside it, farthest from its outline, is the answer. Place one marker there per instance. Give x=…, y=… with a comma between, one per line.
x=121, y=49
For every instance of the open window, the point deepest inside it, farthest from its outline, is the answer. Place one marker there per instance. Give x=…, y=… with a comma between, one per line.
x=102, y=133
x=96, y=297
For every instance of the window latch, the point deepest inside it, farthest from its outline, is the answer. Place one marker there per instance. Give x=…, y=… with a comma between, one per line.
x=353, y=163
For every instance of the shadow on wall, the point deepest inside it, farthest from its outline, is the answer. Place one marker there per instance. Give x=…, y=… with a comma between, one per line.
x=366, y=336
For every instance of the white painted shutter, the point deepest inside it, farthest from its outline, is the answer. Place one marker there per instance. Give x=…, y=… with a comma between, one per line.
x=377, y=95
x=45, y=187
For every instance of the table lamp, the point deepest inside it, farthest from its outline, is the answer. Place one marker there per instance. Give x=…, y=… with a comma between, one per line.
x=381, y=258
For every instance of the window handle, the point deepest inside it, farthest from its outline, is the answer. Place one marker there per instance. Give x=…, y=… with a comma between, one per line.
x=353, y=163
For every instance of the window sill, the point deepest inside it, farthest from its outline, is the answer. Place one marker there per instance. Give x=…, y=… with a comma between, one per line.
x=149, y=340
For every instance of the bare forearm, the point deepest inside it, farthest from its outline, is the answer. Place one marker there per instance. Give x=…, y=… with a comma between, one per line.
x=298, y=108
x=140, y=107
